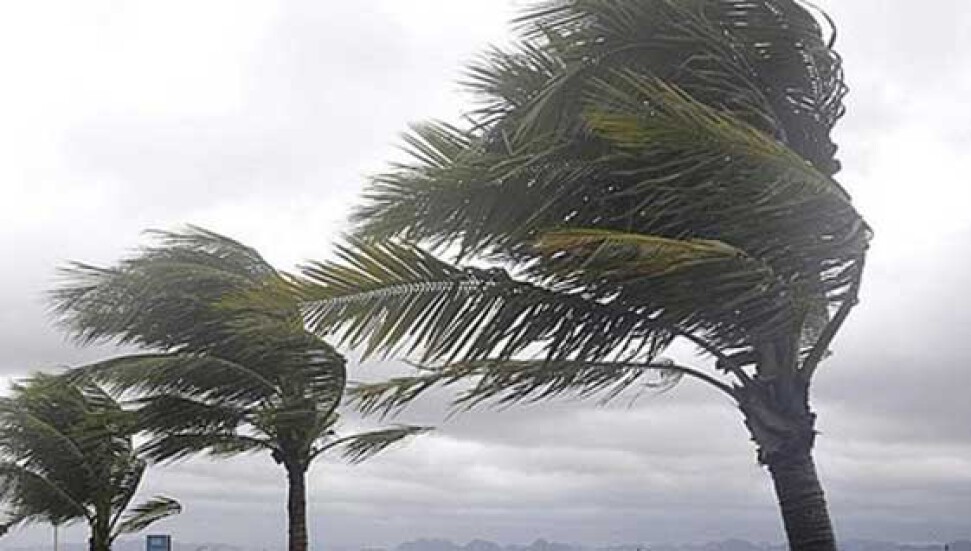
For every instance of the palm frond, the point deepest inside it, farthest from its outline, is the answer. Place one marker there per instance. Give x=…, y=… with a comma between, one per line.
x=646, y=255
x=162, y=297
x=765, y=60
x=30, y=496
x=387, y=296
x=363, y=446
x=164, y=448
x=12, y=520
x=390, y=396
x=675, y=41
x=637, y=112
x=33, y=439
x=791, y=54
x=125, y=481
x=505, y=81
x=45, y=418
x=202, y=375
x=148, y=513
x=701, y=286
x=483, y=200
x=507, y=382
x=166, y=413
x=759, y=195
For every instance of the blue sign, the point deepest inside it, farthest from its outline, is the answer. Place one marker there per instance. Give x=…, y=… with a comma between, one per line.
x=158, y=543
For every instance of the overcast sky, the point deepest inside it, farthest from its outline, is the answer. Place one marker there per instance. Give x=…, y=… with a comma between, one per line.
x=261, y=119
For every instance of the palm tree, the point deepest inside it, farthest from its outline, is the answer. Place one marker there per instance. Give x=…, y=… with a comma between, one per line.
x=636, y=172
x=223, y=373
x=66, y=455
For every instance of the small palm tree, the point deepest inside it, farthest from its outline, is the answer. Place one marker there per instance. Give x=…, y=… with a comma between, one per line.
x=226, y=374
x=66, y=455
x=638, y=171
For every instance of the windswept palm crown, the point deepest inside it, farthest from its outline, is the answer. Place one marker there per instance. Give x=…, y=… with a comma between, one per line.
x=66, y=455
x=636, y=171
x=224, y=374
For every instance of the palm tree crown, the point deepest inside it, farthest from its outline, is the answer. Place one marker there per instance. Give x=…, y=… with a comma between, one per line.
x=636, y=172
x=66, y=455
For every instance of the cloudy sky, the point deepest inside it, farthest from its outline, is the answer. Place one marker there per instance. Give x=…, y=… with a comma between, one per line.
x=261, y=119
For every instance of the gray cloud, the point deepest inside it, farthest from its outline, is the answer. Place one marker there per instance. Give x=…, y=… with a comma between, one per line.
x=146, y=117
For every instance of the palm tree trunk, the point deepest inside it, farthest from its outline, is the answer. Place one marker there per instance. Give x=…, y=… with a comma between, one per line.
x=297, y=508
x=778, y=416
x=100, y=539
x=803, y=505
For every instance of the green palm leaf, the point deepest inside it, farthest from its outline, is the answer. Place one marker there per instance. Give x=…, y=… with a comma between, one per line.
x=385, y=296
x=674, y=120
x=506, y=382
x=148, y=513
x=162, y=297
x=698, y=285
x=765, y=60
x=184, y=444
x=168, y=413
x=127, y=478
x=166, y=373
x=637, y=254
x=34, y=497
x=362, y=446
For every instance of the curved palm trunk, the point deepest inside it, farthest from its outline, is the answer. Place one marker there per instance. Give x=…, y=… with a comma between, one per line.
x=297, y=508
x=803, y=505
x=778, y=416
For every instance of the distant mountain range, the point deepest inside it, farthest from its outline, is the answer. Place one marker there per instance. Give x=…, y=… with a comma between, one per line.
x=726, y=545
x=538, y=545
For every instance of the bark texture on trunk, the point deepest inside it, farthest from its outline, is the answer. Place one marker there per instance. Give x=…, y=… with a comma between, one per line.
x=100, y=537
x=297, y=508
x=99, y=542
x=803, y=505
x=778, y=416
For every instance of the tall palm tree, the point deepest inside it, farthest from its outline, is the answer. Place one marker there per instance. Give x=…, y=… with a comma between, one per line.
x=66, y=455
x=224, y=373
x=636, y=172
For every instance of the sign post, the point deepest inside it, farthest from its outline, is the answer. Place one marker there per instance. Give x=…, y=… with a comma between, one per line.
x=158, y=543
